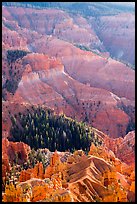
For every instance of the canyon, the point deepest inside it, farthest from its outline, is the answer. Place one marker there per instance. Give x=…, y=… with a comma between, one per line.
x=64, y=71
x=81, y=65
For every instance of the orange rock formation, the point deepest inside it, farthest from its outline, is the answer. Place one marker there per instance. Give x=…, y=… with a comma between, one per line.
x=9, y=152
x=100, y=176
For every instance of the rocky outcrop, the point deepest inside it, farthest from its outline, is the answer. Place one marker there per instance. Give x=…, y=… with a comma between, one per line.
x=40, y=62
x=92, y=178
x=87, y=183
x=100, y=176
x=39, y=190
x=121, y=147
x=15, y=150
x=36, y=172
x=49, y=181
x=124, y=148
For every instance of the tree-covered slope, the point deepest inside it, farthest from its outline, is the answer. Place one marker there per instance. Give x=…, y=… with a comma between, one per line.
x=44, y=129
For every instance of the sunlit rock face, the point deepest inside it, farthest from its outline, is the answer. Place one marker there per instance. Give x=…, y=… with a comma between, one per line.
x=124, y=148
x=10, y=149
x=92, y=178
x=44, y=81
x=98, y=176
x=10, y=152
